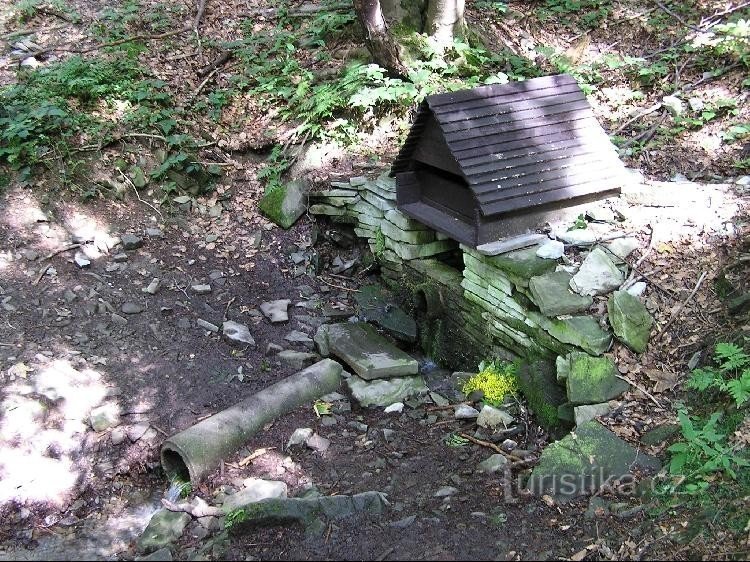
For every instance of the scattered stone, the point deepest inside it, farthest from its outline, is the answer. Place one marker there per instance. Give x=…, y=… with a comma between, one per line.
x=630, y=320
x=358, y=426
x=673, y=105
x=131, y=241
x=120, y=258
x=600, y=214
x=439, y=399
x=492, y=464
x=588, y=412
x=637, y=289
x=81, y=260
x=273, y=349
x=696, y=104
x=237, y=333
x=154, y=233
x=551, y=250
x=202, y=289
x=153, y=287
x=117, y=436
x=593, y=380
x=660, y=434
x=295, y=336
x=298, y=359
x=30, y=255
x=300, y=435
x=117, y=319
x=445, y=492
x=318, y=443
x=162, y=555
x=508, y=445
x=369, y=354
x=578, y=236
x=104, y=417
x=321, y=341
x=378, y=307
x=623, y=247
x=384, y=392
x=276, y=311
x=465, y=412
x=255, y=490
x=135, y=432
x=164, y=529
x=286, y=203
x=207, y=325
x=551, y=293
x=132, y=308
x=597, y=275
x=396, y=407
x=537, y=381
x=583, y=461
x=491, y=417
x=403, y=523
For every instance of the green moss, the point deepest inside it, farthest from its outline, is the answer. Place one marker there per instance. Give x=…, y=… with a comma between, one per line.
x=272, y=202
x=537, y=380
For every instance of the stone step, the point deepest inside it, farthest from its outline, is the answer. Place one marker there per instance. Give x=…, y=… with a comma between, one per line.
x=368, y=353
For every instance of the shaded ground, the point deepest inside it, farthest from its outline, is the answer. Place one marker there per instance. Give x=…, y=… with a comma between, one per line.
x=69, y=492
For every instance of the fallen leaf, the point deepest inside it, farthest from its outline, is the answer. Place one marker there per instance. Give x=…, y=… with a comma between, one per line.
x=664, y=380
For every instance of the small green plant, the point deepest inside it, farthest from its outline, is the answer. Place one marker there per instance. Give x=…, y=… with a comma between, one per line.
x=589, y=13
x=579, y=224
x=731, y=375
x=492, y=6
x=235, y=517
x=454, y=440
x=702, y=453
x=379, y=243
x=496, y=380
x=322, y=408
x=736, y=132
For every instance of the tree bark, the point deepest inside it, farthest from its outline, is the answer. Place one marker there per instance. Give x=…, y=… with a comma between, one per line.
x=382, y=45
x=445, y=21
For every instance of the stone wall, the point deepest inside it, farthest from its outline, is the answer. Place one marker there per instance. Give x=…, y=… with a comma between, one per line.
x=530, y=303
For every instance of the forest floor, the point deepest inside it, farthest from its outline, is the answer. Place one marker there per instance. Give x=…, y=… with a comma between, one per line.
x=72, y=337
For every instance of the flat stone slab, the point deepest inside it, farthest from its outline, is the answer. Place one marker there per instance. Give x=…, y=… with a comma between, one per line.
x=378, y=307
x=582, y=462
x=630, y=320
x=384, y=392
x=593, y=380
x=368, y=353
x=598, y=275
x=276, y=311
x=164, y=529
x=238, y=333
x=551, y=293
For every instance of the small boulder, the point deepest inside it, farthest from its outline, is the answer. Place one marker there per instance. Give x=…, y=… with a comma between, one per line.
x=237, y=333
x=492, y=464
x=276, y=311
x=491, y=417
x=630, y=320
x=597, y=275
x=163, y=530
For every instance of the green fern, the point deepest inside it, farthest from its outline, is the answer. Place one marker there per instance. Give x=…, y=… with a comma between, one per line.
x=731, y=376
x=731, y=357
x=739, y=389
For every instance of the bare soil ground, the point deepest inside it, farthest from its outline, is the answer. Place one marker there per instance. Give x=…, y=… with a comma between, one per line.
x=69, y=492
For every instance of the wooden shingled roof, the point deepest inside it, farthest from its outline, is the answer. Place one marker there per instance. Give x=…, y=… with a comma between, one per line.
x=520, y=145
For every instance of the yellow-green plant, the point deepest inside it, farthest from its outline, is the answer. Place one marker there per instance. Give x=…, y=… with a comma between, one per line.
x=495, y=380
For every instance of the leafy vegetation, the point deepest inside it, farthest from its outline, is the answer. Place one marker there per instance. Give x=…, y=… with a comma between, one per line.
x=496, y=381
x=730, y=376
x=589, y=13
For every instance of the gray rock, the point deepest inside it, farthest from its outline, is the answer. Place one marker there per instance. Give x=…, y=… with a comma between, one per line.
x=30, y=255
x=131, y=241
x=132, y=308
x=117, y=436
x=255, y=490
x=588, y=412
x=673, y=105
x=578, y=236
x=120, y=258
x=117, y=319
x=300, y=435
x=298, y=359
x=201, y=289
x=623, y=247
x=551, y=293
x=286, y=203
x=368, y=353
x=439, y=399
x=597, y=275
x=276, y=311
x=396, y=407
x=273, y=349
x=154, y=233
x=491, y=417
x=104, y=417
x=630, y=320
x=551, y=250
x=637, y=289
x=593, y=380
x=135, y=432
x=153, y=287
x=81, y=260
x=445, y=491
x=582, y=462
x=379, y=307
x=465, y=412
x=492, y=464
x=237, y=333
x=164, y=529
x=161, y=555
x=318, y=443
x=321, y=341
x=205, y=324
x=295, y=336
x=384, y=392
x=696, y=104
x=404, y=522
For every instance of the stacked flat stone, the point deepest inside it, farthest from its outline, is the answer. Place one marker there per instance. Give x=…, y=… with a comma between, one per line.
x=371, y=207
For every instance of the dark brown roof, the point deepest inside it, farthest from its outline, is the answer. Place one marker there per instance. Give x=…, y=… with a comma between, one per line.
x=521, y=144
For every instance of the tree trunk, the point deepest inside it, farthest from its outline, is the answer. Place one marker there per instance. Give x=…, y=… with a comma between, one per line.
x=382, y=45
x=445, y=21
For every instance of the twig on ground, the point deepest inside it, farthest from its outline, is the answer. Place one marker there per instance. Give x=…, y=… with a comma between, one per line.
x=679, y=18
x=222, y=59
x=203, y=84
x=60, y=251
x=138, y=195
x=195, y=511
x=226, y=309
x=338, y=286
x=516, y=460
x=640, y=115
x=676, y=313
x=639, y=387
x=41, y=274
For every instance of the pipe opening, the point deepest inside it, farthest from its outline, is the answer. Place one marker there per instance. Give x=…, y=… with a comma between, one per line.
x=174, y=465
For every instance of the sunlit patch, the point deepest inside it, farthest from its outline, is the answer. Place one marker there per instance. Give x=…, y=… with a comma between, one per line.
x=86, y=228
x=42, y=430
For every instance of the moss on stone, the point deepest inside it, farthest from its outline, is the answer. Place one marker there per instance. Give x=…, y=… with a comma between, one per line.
x=537, y=380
